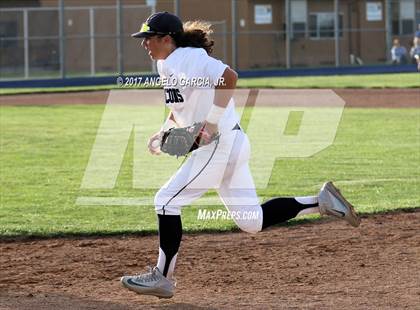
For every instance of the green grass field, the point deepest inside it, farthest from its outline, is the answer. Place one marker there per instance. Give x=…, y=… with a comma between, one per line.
x=400, y=80
x=45, y=150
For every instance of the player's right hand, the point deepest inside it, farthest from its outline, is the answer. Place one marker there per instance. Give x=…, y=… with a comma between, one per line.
x=154, y=143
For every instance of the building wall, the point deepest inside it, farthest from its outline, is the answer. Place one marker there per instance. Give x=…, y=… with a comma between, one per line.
x=258, y=46
x=219, y=14
x=265, y=50
x=372, y=42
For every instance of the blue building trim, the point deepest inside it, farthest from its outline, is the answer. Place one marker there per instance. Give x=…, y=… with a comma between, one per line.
x=79, y=81
x=109, y=80
x=329, y=71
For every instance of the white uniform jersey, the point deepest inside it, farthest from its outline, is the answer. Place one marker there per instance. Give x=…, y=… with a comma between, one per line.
x=189, y=77
x=222, y=166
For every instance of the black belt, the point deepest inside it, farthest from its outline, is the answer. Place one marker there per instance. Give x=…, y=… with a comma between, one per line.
x=236, y=127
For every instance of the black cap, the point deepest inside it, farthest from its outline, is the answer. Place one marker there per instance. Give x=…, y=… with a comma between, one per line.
x=159, y=23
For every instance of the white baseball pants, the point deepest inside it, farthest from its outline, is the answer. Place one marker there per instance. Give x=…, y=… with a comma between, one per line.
x=227, y=172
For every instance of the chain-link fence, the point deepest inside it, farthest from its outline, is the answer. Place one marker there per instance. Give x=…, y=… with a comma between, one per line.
x=304, y=34
x=33, y=46
x=93, y=40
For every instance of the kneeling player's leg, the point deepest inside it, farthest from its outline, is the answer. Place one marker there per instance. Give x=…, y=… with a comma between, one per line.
x=239, y=196
x=249, y=215
x=237, y=190
x=189, y=183
x=168, y=202
x=281, y=209
x=170, y=234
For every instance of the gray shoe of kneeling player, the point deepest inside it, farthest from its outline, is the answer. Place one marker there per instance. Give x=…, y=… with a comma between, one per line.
x=150, y=283
x=332, y=202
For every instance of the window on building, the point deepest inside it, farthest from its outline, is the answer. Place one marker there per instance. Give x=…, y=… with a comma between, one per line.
x=299, y=16
x=321, y=25
x=407, y=13
x=403, y=17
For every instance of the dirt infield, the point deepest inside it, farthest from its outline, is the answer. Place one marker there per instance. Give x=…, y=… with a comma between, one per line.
x=381, y=98
x=322, y=265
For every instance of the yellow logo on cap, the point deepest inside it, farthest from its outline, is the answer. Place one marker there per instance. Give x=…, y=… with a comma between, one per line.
x=144, y=28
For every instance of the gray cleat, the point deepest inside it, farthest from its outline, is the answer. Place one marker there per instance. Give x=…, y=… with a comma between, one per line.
x=331, y=202
x=150, y=283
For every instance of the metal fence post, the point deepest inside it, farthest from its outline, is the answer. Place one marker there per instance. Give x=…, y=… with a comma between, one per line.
x=119, y=38
x=177, y=8
x=92, y=40
x=224, y=41
x=26, y=43
x=154, y=64
x=336, y=34
x=288, y=47
x=388, y=28
x=234, y=34
x=62, y=39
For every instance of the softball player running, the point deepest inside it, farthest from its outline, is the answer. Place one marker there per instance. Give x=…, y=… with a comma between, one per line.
x=183, y=52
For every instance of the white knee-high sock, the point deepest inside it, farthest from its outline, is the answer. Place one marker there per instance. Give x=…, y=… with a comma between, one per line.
x=162, y=261
x=308, y=200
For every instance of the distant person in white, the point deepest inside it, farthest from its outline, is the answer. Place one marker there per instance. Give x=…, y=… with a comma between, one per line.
x=415, y=49
x=398, y=53
x=183, y=53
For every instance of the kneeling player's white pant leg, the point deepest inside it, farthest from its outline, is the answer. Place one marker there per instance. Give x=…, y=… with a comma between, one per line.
x=191, y=181
x=237, y=190
x=175, y=193
x=243, y=203
x=167, y=202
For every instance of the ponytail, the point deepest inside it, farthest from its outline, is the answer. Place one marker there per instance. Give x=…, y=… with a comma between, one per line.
x=196, y=34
